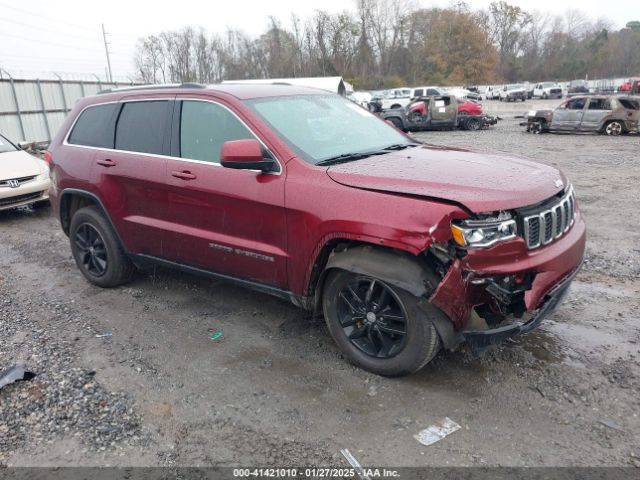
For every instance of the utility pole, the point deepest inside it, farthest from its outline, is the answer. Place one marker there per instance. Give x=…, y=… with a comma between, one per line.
x=106, y=49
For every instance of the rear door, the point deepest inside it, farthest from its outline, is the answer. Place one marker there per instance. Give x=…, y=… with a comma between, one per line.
x=568, y=116
x=131, y=176
x=224, y=220
x=597, y=110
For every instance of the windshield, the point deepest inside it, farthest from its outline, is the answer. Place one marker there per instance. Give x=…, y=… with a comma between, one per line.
x=514, y=87
x=321, y=127
x=6, y=145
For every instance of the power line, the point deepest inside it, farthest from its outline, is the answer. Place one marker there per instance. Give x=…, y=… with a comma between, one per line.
x=38, y=40
x=57, y=20
x=34, y=27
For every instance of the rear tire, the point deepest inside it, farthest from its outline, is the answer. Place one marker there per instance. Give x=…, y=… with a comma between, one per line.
x=614, y=128
x=362, y=326
x=97, y=250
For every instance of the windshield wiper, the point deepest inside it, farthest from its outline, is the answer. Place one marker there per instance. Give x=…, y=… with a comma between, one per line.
x=400, y=146
x=347, y=157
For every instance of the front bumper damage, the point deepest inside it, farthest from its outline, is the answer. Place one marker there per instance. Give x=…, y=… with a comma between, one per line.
x=483, y=339
x=494, y=293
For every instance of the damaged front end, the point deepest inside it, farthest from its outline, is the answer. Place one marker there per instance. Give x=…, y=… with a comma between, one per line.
x=503, y=273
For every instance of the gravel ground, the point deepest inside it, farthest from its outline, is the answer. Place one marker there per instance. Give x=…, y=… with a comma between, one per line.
x=274, y=390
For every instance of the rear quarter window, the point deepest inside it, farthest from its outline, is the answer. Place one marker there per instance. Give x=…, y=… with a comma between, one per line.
x=629, y=104
x=94, y=127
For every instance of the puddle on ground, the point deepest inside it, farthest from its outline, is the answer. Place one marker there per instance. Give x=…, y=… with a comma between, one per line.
x=542, y=345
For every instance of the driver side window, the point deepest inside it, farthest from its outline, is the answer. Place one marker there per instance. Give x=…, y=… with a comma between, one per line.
x=576, y=104
x=204, y=127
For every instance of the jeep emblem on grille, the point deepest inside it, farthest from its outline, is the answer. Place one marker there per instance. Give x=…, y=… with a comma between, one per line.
x=559, y=183
x=14, y=183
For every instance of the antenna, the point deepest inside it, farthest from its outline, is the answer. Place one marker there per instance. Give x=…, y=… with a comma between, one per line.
x=106, y=49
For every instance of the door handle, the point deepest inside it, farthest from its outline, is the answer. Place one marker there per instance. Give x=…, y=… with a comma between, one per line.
x=107, y=162
x=184, y=175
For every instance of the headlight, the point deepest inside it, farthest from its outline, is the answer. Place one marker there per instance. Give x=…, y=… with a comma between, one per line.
x=45, y=173
x=484, y=233
x=532, y=113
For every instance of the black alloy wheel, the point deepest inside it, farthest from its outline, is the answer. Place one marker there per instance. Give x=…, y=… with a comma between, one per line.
x=372, y=317
x=91, y=247
x=96, y=249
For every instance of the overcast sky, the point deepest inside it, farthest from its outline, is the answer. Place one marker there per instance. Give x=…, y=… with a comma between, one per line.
x=65, y=36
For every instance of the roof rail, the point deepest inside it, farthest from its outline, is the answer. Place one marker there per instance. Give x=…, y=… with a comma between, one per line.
x=153, y=87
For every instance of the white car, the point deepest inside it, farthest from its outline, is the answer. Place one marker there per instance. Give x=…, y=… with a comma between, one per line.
x=24, y=179
x=397, y=98
x=427, y=91
x=492, y=92
x=547, y=90
x=512, y=93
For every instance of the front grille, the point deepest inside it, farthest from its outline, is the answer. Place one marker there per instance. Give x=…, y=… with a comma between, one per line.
x=5, y=202
x=21, y=180
x=551, y=222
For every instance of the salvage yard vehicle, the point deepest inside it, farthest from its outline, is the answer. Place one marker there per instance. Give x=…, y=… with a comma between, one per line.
x=628, y=85
x=397, y=98
x=609, y=114
x=437, y=113
x=511, y=93
x=577, y=87
x=546, y=90
x=404, y=247
x=24, y=179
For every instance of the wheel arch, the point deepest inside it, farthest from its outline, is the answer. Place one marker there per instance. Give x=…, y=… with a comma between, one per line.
x=72, y=200
x=395, y=267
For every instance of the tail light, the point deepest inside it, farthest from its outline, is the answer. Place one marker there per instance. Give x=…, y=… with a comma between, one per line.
x=48, y=158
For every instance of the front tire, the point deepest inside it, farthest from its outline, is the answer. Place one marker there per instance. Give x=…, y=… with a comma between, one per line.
x=97, y=250
x=379, y=327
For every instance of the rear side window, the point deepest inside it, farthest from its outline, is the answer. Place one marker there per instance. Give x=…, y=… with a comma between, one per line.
x=204, y=127
x=141, y=126
x=94, y=127
x=629, y=104
x=599, y=104
x=418, y=92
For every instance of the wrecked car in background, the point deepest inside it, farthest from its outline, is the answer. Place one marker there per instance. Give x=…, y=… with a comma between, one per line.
x=406, y=248
x=608, y=114
x=438, y=113
x=24, y=179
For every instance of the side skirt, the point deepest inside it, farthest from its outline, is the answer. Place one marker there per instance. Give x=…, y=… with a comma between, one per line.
x=143, y=261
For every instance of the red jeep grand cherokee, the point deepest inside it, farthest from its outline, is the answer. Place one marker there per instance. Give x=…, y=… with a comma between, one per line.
x=302, y=194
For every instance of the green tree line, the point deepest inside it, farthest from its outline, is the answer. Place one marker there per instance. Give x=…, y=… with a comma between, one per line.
x=388, y=43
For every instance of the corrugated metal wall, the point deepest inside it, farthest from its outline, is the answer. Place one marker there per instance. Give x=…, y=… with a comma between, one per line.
x=33, y=110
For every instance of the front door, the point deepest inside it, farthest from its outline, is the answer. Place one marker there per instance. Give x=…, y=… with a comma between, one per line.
x=226, y=221
x=568, y=116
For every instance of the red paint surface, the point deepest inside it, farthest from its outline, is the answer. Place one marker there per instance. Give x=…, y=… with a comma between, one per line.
x=403, y=200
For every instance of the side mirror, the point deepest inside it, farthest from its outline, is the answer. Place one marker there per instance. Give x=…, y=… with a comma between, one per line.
x=245, y=155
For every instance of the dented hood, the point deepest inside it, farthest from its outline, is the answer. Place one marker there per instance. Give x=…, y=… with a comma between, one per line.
x=481, y=182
